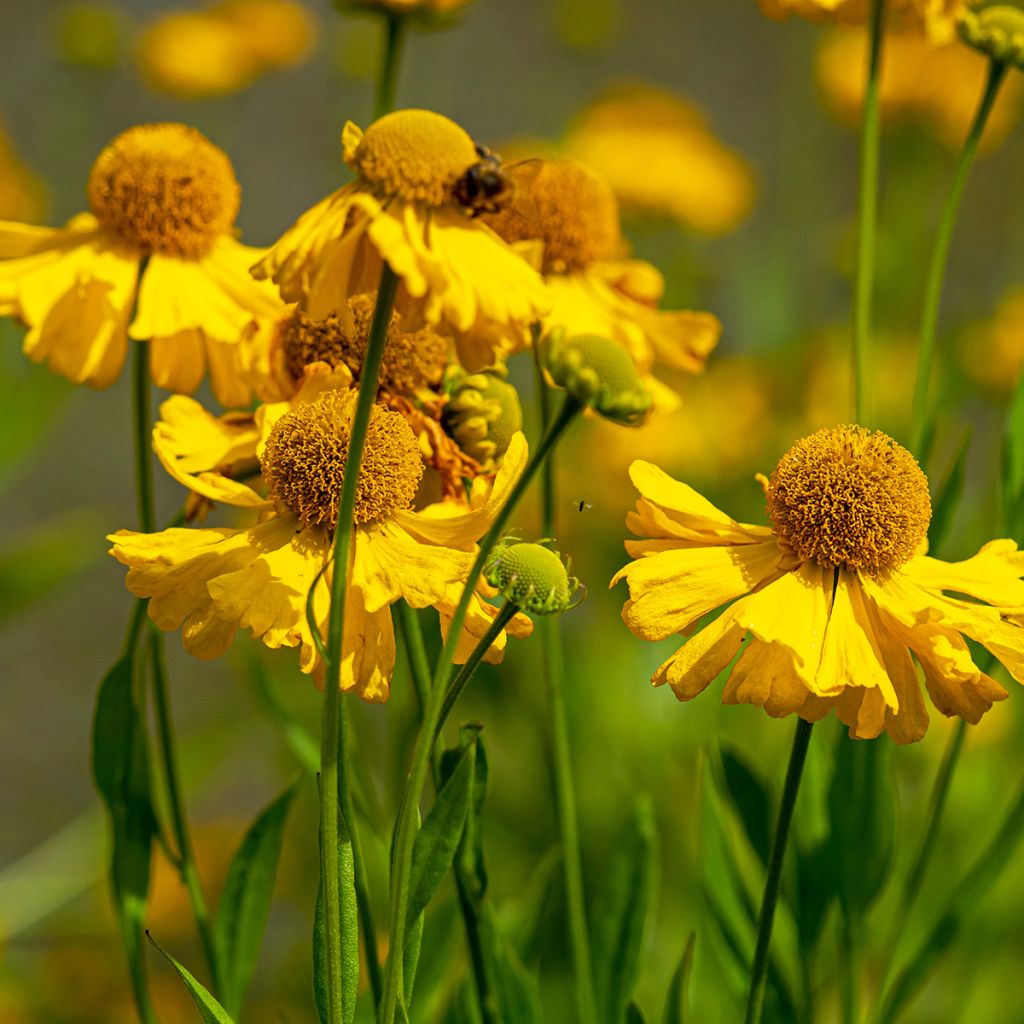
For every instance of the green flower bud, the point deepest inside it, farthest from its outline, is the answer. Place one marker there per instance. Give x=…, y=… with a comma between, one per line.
x=482, y=414
x=532, y=577
x=997, y=31
x=598, y=373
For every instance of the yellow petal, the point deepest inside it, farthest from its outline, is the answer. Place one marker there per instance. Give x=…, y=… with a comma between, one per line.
x=992, y=575
x=368, y=656
x=177, y=362
x=766, y=677
x=696, y=664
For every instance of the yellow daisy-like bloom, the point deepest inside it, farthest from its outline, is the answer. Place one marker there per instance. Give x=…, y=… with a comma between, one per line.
x=936, y=18
x=162, y=194
x=224, y=48
x=658, y=155
x=938, y=86
x=209, y=582
x=574, y=214
x=454, y=270
x=837, y=597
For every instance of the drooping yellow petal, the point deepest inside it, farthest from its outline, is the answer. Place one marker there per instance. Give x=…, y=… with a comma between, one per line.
x=992, y=575
x=195, y=447
x=695, y=665
x=479, y=617
x=670, y=590
x=766, y=677
x=177, y=362
x=368, y=657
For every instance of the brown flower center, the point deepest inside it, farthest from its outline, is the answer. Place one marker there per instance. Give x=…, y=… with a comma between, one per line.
x=849, y=498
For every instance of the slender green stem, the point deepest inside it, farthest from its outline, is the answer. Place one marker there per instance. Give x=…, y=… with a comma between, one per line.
x=465, y=673
x=407, y=815
x=940, y=257
x=387, y=81
x=561, y=750
x=333, y=771
x=179, y=819
x=143, y=428
x=867, y=211
x=915, y=877
x=773, y=880
x=409, y=625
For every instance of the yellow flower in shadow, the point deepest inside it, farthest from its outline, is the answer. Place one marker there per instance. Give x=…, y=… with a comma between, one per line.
x=992, y=352
x=937, y=19
x=659, y=156
x=837, y=597
x=210, y=582
x=160, y=242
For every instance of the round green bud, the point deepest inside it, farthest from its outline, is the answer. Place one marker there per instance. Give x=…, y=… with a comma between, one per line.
x=598, y=373
x=532, y=577
x=997, y=31
x=482, y=414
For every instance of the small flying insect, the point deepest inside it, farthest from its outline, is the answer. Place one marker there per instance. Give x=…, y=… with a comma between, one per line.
x=485, y=186
x=582, y=506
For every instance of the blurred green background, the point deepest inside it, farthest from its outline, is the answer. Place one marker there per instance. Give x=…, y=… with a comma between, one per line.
x=779, y=282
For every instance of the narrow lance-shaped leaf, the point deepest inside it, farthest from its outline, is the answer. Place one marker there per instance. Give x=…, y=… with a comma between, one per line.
x=245, y=901
x=677, y=1005
x=209, y=1009
x=619, y=913
x=751, y=800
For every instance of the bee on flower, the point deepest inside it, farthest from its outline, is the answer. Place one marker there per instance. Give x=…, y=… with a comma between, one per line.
x=155, y=260
x=837, y=597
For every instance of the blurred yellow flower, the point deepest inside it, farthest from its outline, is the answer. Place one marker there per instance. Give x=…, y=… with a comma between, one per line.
x=657, y=153
x=90, y=35
x=212, y=581
x=402, y=208
x=837, y=595
x=225, y=47
x=992, y=352
x=939, y=86
x=22, y=194
x=423, y=7
x=936, y=18
x=159, y=241
x=573, y=214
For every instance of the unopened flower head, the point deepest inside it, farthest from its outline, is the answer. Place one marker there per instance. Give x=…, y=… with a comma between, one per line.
x=483, y=414
x=532, y=577
x=163, y=194
x=997, y=31
x=403, y=209
x=599, y=374
x=834, y=603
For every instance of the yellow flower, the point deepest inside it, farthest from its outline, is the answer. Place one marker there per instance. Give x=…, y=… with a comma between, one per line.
x=574, y=215
x=418, y=7
x=837, y=597
x=936, y=85
x=224, y=48
x=992, y=352
x=454, y=270
x=164, y=198
x=936, y=18
x=209, y=582
x=658, y=155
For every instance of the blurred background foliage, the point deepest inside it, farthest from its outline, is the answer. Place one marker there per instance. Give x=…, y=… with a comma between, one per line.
x=739, y=184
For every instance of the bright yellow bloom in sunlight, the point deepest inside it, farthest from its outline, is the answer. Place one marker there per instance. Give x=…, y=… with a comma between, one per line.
x=454, y=270
x=223, y=48
x=837, y=596
x=160, y=239
x=936, y=18
x=657, y=153
x=209, y=582
x=594, y=290
x=936, y=85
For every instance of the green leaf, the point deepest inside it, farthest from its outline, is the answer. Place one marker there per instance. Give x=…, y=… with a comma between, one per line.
x=209, y=1009
x=411, y=961
x=634, y=1015
x=514, y=986
x=815, y=890
x=471, y=848
x=619, y=913
x=320, y=994
x=677, y=1005
x=861, y=822
x=946, y=498
x=245, y=901
x=438, y=839
x=121, y=772
x=523, y=918
x=751, y=800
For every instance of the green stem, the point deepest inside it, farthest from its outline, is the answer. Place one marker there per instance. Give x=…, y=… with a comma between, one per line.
x=143, y=430
x=465, y=673
x=333, y=769
x=773, y=880
x=179, y=820
x=407, y=816
x=387, y=82
x=867, y=211
x=849, y=969
x=940, y=257
x=409, y=625
x=561, y=751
